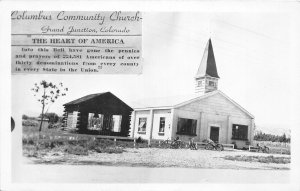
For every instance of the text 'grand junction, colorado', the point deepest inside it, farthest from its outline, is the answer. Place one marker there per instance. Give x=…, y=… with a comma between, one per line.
x=75, y=42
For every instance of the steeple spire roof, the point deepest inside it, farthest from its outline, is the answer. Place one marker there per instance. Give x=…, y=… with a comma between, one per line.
x=208, y=63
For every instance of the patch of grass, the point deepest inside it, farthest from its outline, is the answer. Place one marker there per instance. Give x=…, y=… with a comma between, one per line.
x=261, y=159
x=276, y=147
x=76, y=150
x=30, y=127
x=29, y=140
x=278, y=150
x=111, y=150
x=76, y=147
x=30, y=123
x=79, y=144
x=30, y=151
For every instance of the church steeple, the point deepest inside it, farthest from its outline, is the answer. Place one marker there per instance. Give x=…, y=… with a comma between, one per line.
x=207, y=75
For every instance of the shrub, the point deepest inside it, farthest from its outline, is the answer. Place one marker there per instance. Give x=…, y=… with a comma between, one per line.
x=24, y=117
x=30, y=151
x=52, y=117
x=32, y=154
x=29, y=140
x=76, y=150
x=110, y=150
x=139, y=140
x=50, y=144
x=97, y=149
x=106, y=146
x=55, y=125
x=125, y=144
x=30, y=123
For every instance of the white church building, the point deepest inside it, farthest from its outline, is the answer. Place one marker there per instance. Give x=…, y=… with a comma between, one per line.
x=209, y=113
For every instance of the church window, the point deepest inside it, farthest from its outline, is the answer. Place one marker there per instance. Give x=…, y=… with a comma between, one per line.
x=186, y=126
x=142, y=124
x=211, y=83
x=162, y=123
x=95, y=121
x=199, y=83
x=116, y=123
x=239, y=132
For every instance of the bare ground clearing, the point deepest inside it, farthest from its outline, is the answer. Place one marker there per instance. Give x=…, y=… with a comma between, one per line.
x=62, y=174
x=156, y=157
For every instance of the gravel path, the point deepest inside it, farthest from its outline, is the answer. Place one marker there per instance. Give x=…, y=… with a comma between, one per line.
x=154, y=157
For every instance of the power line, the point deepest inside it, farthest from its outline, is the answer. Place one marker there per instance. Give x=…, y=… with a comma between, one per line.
x=248, y=30
x=196, y=41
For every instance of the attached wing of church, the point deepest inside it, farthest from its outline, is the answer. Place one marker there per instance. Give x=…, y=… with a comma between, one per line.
x=209, y=113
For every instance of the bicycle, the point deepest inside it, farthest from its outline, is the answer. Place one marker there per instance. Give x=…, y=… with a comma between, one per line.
x=165, y=143
x=263, y=149
x=173, y=144
x=177, y=144
x=192, y=145
x=211, y=145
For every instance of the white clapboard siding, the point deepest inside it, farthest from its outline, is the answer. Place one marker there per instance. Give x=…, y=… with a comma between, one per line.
x=214, y=104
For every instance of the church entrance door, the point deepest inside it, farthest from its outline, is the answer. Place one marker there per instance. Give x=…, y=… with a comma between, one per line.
x=214, y=134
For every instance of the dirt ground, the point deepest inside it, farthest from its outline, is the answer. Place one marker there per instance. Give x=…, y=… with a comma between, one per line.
x=62, y=173
x=155, y=157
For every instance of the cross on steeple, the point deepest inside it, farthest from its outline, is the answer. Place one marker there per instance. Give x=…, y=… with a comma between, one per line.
x=207, y=75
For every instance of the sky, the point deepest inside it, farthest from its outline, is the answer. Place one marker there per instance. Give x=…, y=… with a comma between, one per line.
x=252, y=52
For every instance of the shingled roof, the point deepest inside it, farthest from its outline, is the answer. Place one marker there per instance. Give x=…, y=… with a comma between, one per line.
x=208, y=63
x=84, y=98
x=104, y=97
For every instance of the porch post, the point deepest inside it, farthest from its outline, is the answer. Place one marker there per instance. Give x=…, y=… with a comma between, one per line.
x=133, y=123
x=251, y=131
x=199, y=125
x=151, y=124
x=228, y=130
x=171, y=129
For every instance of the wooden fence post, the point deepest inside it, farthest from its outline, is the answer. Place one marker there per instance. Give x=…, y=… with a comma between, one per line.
x=149, y=143
x=158, y=143
x=115, y=142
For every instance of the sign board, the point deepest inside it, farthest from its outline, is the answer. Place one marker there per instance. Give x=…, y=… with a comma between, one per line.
x=64, y=42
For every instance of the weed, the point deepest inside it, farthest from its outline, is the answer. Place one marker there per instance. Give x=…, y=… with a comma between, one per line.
x=261, y=159
x=76, y=150
x=30, y=123
x=110, y=150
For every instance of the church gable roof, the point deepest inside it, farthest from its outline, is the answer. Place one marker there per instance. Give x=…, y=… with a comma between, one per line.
x=162, y=102
x=181, y=101
x=208, y=66
x=208, y=105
